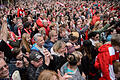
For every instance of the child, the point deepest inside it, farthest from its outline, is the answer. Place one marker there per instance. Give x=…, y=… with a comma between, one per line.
x=71, y=66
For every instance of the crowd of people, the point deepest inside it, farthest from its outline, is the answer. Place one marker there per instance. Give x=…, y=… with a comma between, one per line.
x=60, y=40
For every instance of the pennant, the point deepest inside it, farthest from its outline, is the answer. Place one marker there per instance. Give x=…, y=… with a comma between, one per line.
x=26, y=31
x=9, y=46
x=12, y=36
x=60, y=4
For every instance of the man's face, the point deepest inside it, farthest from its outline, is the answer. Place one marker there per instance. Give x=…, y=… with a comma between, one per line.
x=4, y=73
x=19, y=20
x=20, y=27
x=98, y=14
x=63, y=34
x=29, y=19
x=55, y=36
x=1, y=54
x=38, y=63
x=96, y=38
x=40, y=41
x=62, y=18
x=53, y=19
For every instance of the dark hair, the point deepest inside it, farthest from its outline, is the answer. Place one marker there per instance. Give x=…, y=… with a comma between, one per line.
x=24, y=19
x=38, y=15
x=15, y=44
x=0, y=22
x=111, y=30
x=15, y=52
x=87, y=43
x=63, y=25
x=92, y=34
x=115, y=40
x=27, y=24
x=89, y=49
x=96, y=12
x=71, y=59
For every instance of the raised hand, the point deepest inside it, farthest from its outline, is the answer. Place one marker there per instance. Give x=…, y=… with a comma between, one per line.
x=65, y=77
x=19, y=64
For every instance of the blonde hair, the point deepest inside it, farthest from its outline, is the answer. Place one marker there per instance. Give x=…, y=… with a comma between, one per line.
x=25, y=43
x=97, y=26
x=48, y=75
x=51, y=33
x=58, y=45
x=42, y=31
x=74, y=58
x=78, y=55
x=62, y=29
x=4, y=31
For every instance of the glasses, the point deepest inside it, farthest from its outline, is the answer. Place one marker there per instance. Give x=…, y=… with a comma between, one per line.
x=2, y=68
x=38, y=60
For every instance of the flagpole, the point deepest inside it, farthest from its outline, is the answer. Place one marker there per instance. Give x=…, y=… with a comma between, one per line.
x=1, y=2
x=8, y=2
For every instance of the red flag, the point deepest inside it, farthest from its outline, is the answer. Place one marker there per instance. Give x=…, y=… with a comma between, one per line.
x=60, y=4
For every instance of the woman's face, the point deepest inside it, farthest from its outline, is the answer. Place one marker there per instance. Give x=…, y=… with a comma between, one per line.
x=53, y=19
x=63, y=34
x=114, y=31
x=28, y=38
x=1, y=54
x=100, y=26
x=79, y=61
x=62, y=50
x=96, y=38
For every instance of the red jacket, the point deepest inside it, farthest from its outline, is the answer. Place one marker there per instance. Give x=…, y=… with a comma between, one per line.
x=39, y=23
x=104, y=61
x=94, y=20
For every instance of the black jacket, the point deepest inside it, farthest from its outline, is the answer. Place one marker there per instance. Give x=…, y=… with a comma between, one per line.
x=57, y=62
x=34, y=72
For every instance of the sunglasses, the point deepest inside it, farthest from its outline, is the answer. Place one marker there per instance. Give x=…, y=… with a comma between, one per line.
x=97, y=37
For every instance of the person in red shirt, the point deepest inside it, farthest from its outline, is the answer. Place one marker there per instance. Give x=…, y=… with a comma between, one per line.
x=95, y=18
x=43, y=23
x=108, y=53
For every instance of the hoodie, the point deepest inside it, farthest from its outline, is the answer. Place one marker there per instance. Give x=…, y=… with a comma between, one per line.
x=104, y=61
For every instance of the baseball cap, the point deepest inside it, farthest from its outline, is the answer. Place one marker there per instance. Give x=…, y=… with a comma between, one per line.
x=35, y=56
